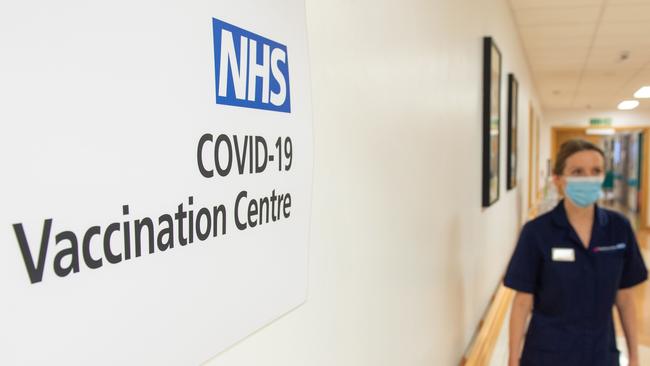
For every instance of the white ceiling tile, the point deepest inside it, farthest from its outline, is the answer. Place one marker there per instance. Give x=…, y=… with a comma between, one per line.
x=558, y=94
x=554, y=32
x=622, y=29
x=597, y=90
x=559, y=89
x=555, y=16
x=562, y=74
x=625, y=2
x=566, y=42
x=595, y=102
x=621, y=53
x=605, y=64
x=557, y=104
x=610, y=74
x=598, y=87
x=623, y=42
x=558, y=55
x=557, y=85
x=553, y=67
x=557, y=50
x=574, y=49
x=522, y=4
x=635, y=82
x=620, y=57
x=547, y=67
x=570, y=58
x=627, y=13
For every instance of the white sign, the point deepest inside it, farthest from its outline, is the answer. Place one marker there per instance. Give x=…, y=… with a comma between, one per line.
x=156, y=165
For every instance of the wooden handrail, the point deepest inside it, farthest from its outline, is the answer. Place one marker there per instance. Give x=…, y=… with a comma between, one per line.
x=480, y=350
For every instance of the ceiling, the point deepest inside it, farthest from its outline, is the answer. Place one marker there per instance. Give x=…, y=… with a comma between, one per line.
x=586, y=53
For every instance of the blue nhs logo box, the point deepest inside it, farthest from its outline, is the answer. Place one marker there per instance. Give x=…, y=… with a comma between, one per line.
x=251, y=71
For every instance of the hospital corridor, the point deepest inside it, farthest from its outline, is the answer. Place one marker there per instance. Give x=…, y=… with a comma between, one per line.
x=624, y=154
x=325, y=183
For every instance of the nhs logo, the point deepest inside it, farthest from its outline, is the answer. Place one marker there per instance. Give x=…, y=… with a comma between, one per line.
x=251, y=71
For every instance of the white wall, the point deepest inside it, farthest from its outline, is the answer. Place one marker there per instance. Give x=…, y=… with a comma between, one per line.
x=403, y=258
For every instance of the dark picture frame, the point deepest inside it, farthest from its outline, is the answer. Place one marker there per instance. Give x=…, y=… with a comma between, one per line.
x=513, y=119
x=491, y=120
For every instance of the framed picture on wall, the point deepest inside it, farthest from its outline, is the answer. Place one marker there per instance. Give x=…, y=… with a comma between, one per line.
x=491, y=120
x=513, y=98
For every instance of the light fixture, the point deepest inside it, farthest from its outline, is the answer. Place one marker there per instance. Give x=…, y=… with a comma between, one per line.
x=644, y=92
x=627, y=105
x=601, y=131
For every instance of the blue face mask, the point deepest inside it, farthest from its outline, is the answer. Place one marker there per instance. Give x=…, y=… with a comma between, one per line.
x=584, y=191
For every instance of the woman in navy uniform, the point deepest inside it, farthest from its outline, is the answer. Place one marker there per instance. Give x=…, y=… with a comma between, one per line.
x=570, y=267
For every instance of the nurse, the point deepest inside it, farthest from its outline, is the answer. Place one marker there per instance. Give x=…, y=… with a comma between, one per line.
x=570, y=267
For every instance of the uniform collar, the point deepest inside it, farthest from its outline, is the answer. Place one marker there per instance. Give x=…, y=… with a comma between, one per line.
x=560, y=218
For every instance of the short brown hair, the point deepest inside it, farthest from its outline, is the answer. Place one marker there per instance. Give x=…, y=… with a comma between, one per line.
x=569, y=148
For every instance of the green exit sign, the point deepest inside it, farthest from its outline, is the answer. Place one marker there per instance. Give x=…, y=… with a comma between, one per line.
x=600, y=122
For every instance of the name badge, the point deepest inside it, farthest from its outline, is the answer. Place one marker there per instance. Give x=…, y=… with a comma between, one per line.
x=563, y=255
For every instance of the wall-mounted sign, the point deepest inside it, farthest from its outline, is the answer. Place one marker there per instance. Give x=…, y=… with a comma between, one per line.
x=157, y=163
x=600, y=122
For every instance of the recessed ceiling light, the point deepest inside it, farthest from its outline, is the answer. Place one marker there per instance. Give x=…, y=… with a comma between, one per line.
x=644, y=92
x=626, y=105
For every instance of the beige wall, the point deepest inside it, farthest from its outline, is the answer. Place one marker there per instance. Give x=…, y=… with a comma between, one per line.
x=403, y=258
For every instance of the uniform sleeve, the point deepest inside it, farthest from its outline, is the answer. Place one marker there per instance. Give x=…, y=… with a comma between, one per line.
x=524, y=267
x=634, y=270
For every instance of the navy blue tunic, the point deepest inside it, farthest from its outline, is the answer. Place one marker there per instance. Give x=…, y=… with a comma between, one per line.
x=574, y=287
